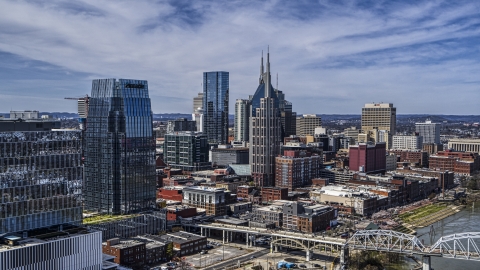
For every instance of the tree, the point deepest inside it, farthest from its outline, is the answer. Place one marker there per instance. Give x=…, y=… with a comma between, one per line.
x=169, y=251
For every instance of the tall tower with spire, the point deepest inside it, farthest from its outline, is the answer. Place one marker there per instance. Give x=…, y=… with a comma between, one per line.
x=265, y=131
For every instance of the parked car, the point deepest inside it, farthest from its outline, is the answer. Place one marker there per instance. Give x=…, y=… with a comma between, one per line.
x=204, y=252
x=302, y=266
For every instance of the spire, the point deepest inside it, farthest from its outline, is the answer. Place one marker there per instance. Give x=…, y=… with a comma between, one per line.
x=267, y=75
x=261, y=65
x=277, y=82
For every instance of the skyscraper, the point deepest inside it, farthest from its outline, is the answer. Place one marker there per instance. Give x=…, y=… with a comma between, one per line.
x=120, y=148
x=265, y=132
x=429, y=131
x=380, y=117
x=198, y=102
x=242, y=117
x=215, y=106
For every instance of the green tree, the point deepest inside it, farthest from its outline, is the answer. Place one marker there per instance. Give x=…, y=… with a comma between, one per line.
x=169, y=251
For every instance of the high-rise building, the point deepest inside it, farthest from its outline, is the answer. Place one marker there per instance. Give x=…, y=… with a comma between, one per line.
x=307, y=123
x=265, y=131
x=187, y=151
x=120, y=148
x=407, y=142
x=181, y=124
x=41, y=178
x=215, y=106
x=198, y=102
x=197, y=116
x=429, y=131
x=242, y=116
x=381, y=117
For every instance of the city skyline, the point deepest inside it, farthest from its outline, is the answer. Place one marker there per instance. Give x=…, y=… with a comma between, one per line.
x=339, y=55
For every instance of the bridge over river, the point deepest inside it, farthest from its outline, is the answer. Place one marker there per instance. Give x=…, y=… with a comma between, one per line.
x=463, y=246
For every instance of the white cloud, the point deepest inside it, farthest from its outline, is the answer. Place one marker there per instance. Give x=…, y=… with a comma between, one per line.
x=344, y=55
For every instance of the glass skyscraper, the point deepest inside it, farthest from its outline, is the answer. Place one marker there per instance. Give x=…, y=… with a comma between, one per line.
x=120, y=148
x=215, y=106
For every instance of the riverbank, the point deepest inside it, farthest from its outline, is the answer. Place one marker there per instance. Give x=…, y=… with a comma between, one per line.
x=426, y=220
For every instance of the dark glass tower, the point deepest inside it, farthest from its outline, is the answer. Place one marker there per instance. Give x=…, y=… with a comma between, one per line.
x=215, y=106
x=120, y=148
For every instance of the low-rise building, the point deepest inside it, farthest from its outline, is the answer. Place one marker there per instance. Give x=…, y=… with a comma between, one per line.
x=185, y=243
x=130, y=253
x=180, y=211
x=240, y=208
x=463, y=163
x=213, y=200
x=270, y=214
x=270, y=194
x=417, y=157
x=296, y=169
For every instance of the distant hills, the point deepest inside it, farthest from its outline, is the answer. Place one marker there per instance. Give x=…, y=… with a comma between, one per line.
x=325, y=117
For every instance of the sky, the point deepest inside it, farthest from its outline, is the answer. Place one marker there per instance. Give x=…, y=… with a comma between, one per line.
x=331, y=57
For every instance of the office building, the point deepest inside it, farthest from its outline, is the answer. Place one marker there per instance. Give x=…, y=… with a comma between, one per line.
x=407, y=142
x=368, y=158
x=242, y=117
x=432, y=148
x=198, y=102
x=225, y=155
x=429, y=131
x=215, y=106
x=40, y=179
x=307, y=123
x=120, y=150
x=181, y=124
x=187, y=151
x=213, y=200
x=197, y=116
x=380, y=116
x=265, y=132
x=68, y=247
x=467, y=145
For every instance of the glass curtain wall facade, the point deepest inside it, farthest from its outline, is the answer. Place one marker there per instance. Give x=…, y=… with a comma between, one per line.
x=215, y=106
x=40, y=179
x=120, y=148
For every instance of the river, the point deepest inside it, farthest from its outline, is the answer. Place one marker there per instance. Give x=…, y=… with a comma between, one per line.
x=464, y=221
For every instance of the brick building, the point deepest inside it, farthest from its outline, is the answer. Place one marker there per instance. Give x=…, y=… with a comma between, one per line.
x=174, y=212
x=270, y=194
x=417, y=157
x=185, y=243
x=130, y=253
x=445, y=178
x=170, y=193
x=296, y=169
x=464, y=163
x=213, y=200
x=368, y=158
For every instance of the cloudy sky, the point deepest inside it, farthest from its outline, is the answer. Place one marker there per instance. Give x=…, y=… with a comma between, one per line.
x=330, y=56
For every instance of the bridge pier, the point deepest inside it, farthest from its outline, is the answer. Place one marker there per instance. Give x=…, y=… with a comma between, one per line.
x=308, y=256
x=201, y=231
x=426, y=263
x=247, y=241
x=223, y=237
x=343, y=256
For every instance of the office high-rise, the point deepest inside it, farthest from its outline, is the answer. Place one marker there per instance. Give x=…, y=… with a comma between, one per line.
x=120, y=148
x=242, y=117
x=215, y=106
x=429, y=131
x=378, y=117
x=265, y=132
x=198, y=102
x=307, y=123
x=40, y=175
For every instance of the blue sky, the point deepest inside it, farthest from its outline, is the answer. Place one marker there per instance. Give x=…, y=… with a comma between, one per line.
x=331, y=56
